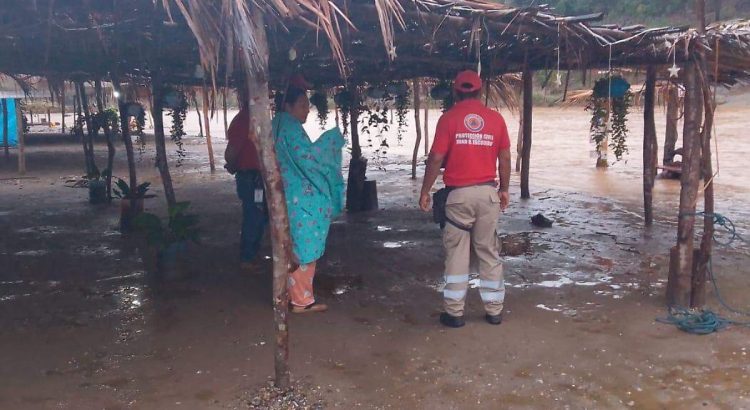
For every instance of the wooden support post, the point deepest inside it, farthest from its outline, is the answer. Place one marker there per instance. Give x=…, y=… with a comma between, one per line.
x=426, y=120
x=528, y=102
x=6, y=140
x=49, y=118
x=207, y=121
x=157, y=95
x=703, y=264
x=200, y=119
x=108, y=134
x=519, y=142
x=21, y=139
x=650, y=149
x=680, y=276
x=62, y=106
x=670, y=136
x=279, y=220
x=416, y=85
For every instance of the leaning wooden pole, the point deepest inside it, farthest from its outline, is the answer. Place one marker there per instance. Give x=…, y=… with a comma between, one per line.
x=681, y=256
x=21, y=139
x=157, y=112
x=207, y=122
x=650, y=150
x=416, y=85
x=260, y=134
x=528, y=102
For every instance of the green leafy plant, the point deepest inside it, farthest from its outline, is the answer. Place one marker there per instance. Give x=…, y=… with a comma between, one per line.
x=609, y=105
x=180, y=227
x=319, y=99
x=177, y=131
x=110, y=117
x=122, y=190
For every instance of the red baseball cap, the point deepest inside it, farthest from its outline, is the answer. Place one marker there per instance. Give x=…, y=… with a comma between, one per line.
x=298, y=81
x=467, y=81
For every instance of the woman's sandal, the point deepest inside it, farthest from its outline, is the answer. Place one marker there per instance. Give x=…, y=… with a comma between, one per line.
x=311, y=308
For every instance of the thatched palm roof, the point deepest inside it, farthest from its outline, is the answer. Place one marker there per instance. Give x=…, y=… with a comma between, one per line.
x=335, y=41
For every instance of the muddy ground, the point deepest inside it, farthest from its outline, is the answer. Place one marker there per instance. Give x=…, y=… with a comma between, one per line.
x=87, y=324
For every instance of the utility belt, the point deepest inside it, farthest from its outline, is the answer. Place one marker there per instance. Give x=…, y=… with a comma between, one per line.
x=439, y=200
x=256, y=178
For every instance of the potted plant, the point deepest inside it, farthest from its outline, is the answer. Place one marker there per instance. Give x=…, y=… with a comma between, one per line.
x=169, y=240
x=131, y=204
x=97, y=184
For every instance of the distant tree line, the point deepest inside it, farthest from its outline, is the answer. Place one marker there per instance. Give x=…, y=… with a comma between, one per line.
x=652, y=12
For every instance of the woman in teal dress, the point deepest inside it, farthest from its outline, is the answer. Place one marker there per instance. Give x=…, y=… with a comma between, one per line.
x=314, y=189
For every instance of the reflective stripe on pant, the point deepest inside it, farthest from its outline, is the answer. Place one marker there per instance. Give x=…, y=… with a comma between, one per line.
x=477, y=207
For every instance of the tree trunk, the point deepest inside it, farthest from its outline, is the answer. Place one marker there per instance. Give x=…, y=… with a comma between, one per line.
x=200, y=119
x=416, y=85
x=207, y=121
x=125, y=131
x=108, y=134
x=90, y=131
x=670, y=137
x=280, y=237
x=157, y=94
x=650, y=149
x=21, y=139
x=6, y=140
x=355, y=187
x=79, y=130
x=528, y=89
x=680, y=275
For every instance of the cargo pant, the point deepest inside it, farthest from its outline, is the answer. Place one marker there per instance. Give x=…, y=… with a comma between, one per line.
x=478, y=208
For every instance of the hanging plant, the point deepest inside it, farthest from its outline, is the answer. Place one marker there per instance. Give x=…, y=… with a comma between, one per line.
x=344, y=101
x=177, y=103
x=610, y=92
x=377, y=125
x=402, y=106
x=319, y=99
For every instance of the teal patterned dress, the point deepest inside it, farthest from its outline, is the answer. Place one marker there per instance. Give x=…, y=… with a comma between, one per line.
x=313, y=184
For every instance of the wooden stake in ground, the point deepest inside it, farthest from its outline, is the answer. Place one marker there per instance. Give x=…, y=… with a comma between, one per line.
x=528, y=102
x=416, y=85
x=260, y=133
x=108, y=135
x=681, y=257
x=650, y=149
x=21, y=139
x=207, y=120
x=157, y=94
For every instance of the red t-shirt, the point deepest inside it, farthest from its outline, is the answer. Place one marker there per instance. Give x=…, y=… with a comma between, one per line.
x=471, y=136
x=238, y=137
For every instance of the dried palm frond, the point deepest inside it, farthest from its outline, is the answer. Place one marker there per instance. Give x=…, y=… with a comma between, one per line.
x=503, y=91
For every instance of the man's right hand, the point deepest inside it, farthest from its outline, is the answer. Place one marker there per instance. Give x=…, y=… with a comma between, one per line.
x=425, y=202
x=504, y=199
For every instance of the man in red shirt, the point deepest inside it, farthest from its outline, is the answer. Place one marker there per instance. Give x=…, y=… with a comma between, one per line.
x=243, y=161
x=472, y=142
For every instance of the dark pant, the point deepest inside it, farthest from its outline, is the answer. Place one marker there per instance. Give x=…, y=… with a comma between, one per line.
x=254, y=215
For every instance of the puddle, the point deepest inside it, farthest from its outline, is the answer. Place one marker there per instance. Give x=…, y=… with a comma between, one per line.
x=382, y=228
x=43, y=230
x=129, y=297
x=5, y=213
x=39, y=252
x=96, y=251
x=136, y=274
x=396, y=244
x=337, y=285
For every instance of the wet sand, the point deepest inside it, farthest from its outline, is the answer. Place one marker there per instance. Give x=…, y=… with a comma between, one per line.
x=87, y=324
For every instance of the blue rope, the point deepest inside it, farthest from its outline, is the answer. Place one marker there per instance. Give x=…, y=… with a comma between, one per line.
x=703, y=322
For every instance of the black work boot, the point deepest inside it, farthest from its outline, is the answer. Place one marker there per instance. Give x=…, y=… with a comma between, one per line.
x=494, y=319
x=451, y=321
